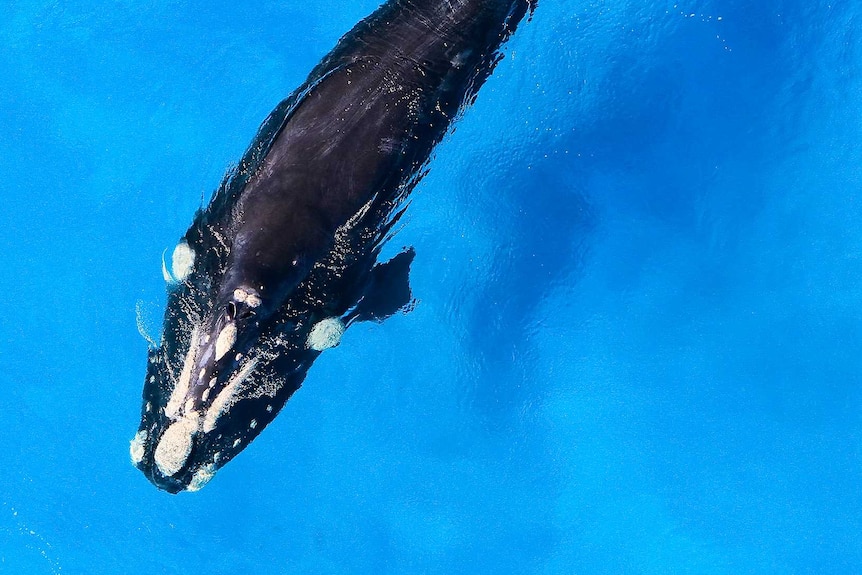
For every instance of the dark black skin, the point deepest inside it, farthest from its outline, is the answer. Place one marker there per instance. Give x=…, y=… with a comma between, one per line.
x=301, y=220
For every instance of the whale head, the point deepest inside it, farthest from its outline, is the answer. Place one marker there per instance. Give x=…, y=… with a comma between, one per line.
x=230, y=356
x=227, y=362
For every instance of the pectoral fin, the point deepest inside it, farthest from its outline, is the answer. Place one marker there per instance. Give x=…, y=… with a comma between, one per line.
x=388, y=290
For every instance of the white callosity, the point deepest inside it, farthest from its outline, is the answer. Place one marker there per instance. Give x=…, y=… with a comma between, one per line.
x=182, y=261
x=246, y=296
x=180, y=391
x=137, y=446
x=182, y=264
x=201, y=477
x=325, y=334
x=225, y=341
x=176, y=444
x=227, y=396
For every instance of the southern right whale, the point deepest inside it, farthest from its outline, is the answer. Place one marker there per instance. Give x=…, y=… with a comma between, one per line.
x=284, y=257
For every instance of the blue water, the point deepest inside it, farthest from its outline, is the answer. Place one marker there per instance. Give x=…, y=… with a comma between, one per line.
x=638, y=344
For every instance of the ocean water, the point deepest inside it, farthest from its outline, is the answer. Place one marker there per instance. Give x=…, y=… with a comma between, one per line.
x=638, y=342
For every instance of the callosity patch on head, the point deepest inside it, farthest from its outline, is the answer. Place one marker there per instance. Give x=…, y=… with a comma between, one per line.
x=325, y=334
x=201, y=477
x=175, y=445
x=138, y=446
x=182, y=264
x=179, y=394
x=182, y=261
x=226, y=340
x=247, y=296
x=228, y=396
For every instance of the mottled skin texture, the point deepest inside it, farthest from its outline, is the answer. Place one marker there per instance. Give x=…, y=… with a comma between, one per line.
x=300, y=221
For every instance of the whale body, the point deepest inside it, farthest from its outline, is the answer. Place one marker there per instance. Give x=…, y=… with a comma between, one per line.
x=284, y=257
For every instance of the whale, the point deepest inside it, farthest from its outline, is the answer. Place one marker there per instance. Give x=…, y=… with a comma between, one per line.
x=285, y=256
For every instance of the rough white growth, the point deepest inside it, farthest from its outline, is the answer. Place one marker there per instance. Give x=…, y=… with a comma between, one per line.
x=136, y=446
x=325, y=334
x=225, y=341
x=227, y=396
x=180, y=391
x=248, y=297
x=175, y=445
x=182, y=262
x=201, y=477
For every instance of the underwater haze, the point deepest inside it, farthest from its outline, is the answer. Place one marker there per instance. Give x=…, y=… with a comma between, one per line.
x=638, y=341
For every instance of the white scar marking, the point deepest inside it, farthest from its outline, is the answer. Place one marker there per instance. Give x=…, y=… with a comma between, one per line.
x=182, y=388
x=253, y=424
x=136, y=447
x=227, y=396
x=225, y=340
x=182, y=261
x=175, y=445
x=325, y=334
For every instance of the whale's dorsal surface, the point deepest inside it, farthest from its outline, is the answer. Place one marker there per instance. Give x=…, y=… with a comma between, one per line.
x=284, y=257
